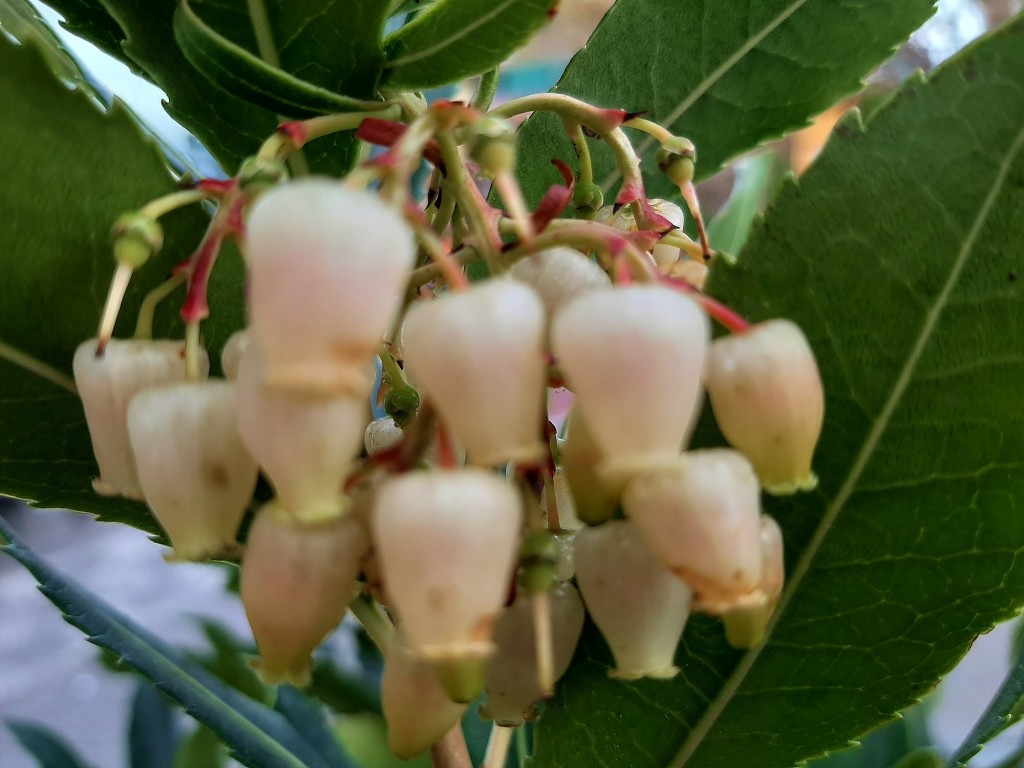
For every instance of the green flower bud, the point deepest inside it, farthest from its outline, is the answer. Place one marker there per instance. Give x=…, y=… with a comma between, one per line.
x=492, y=145
x=258, y=174
x=400, y=404
x=587, y=200
x=676, y=159
x=136, y=238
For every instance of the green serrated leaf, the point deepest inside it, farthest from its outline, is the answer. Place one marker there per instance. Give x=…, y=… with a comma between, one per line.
x=244, y=74
x=258, y=736
x=48, y=749
x=90, y=20
x=729, y=75
x=75, y=170
x=897, y=254
x=455, y=39
x=153, y=731
x=729, y=229
x=1004, y=710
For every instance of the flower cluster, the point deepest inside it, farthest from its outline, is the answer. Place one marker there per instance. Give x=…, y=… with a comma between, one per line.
x=468, y=536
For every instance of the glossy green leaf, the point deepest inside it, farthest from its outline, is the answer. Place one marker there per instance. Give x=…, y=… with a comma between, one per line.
x=1004, y=710
x=75, y=170
x=244, y=74
x=153, y=730
x=90, y=20
x=259, y=737
x=455, y=39
x=729, y=229
x=48, y=749
x=729, y=75
x=897, y=253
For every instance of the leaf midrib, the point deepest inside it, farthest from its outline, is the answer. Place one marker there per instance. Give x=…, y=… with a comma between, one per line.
x=428, y=52
x=705, y=85
x=707, y=722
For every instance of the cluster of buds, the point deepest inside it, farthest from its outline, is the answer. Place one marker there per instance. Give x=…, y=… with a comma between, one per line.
x=483, y=537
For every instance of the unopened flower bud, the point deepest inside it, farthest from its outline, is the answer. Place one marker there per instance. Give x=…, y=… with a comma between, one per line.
x=197, y=476
x=446, y=543
x=479, y=357
x=639, y=606
x=692, y=271
x=634, y=357
x=623, y=221
x=417, y=711
x=136, y=238
x=327, y=267
x=382, y=435
x=231, y=354
x=558, y=275
x=701, y=518
x=745, y=627
x=676, y=159
x=297, y=581
x=767, y=397
x=512, y=685
x=491, y=143
x=538, y=559
x=107, y=385
x=305, y=447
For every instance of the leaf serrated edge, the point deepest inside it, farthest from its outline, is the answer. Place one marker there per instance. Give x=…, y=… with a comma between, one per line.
x=717, y=706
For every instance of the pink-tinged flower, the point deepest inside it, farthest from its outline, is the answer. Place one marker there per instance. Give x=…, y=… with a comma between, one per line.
x=107, y=385
x=767, y=397
x=327, y=268
x=197, y=476
x=639, y=606
x=297, y=581
x=479, y=357
x=701, y=518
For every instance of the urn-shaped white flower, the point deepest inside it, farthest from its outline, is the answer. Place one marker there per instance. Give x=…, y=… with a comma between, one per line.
x=595, y=496
x=196, y=473
x=327, y=267
x=446, y=543
x=766, y=393
x=745, y=626
x=479, y=356
x=417, y=711
x=305, y=447
x=639, y=606
x=382, y=435
x=702, y=519
x=512, y=684
x=558, y=275
x=107, y=385
x=297, y=581
x=634, y=357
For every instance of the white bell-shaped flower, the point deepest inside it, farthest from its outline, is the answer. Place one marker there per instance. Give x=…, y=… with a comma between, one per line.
x=745, y=626
x=767, y=396
x=297, y=581
x=327, y=268
x=634, y=357
x=305, y=447
x=417, y=711
x=702, y=519
x=446, y=544
x=512, y=684
x=558, y=275
x=639, y=606
x=107, y=385
x=231, y=354
x=479, y=356
x=195, y=471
